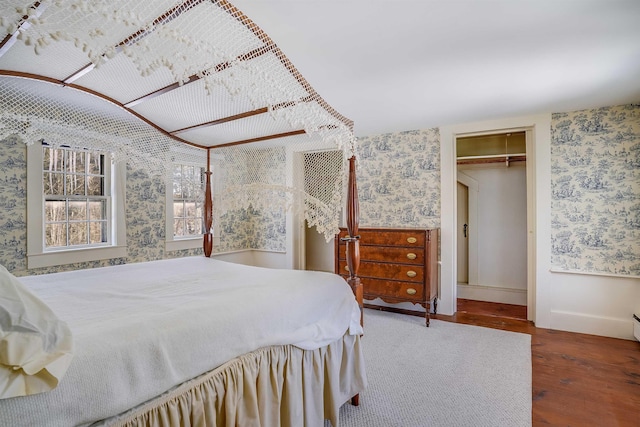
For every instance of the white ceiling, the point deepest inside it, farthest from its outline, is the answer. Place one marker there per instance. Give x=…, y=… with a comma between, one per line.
x=393, y=65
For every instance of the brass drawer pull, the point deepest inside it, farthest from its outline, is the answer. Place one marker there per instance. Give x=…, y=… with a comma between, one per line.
x=411, y=239
x=411, y=255
x=346, y=267
x=411, y=291
x=411, y=273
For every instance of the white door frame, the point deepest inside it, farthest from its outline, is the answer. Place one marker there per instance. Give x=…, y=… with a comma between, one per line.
x=448, y=180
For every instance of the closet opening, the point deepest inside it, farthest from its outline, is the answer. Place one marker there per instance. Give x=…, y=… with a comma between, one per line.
x=319, y=169
x=491, y=225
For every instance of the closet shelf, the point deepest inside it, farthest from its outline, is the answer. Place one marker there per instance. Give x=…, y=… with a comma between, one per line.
x=494, y=158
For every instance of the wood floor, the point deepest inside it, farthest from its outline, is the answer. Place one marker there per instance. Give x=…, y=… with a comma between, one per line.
x=492, y=309
x=578, y=380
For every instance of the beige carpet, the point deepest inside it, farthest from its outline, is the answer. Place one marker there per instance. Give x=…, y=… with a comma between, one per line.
x=445, y=375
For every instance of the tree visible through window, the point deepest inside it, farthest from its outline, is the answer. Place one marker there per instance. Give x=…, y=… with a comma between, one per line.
x=76, y=205
x=188, y=205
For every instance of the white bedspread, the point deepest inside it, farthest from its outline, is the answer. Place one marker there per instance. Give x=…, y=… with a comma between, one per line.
x=140, y=329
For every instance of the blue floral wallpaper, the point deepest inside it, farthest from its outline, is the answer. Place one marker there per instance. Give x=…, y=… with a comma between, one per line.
x=399, y=179
x=595, y=186
x=13, y=205
x=254, y=229
x=145, y=232
x=253, y=217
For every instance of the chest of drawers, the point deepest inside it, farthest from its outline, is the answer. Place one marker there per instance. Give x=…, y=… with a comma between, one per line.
x=396, y=265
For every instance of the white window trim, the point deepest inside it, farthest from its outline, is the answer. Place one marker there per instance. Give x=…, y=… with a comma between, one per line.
x=182, y=243
x=37, y=257
x=173, y=243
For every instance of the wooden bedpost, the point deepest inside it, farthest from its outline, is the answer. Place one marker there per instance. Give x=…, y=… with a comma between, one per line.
x=207, y=240
x=353, y=245
x=352, y=240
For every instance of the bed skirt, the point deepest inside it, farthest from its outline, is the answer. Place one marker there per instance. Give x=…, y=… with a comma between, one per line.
x=273, y=386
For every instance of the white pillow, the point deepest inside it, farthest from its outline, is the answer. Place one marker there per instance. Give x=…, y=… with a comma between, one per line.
x=36, y=347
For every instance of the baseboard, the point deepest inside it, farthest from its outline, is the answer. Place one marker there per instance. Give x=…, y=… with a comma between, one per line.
x=492, y=294
x=595, y=325
x=256, y=257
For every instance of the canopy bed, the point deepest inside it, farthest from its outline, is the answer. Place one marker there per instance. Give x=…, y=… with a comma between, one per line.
x=154, y=84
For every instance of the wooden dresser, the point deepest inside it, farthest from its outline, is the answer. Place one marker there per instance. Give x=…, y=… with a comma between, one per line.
x=396, y=264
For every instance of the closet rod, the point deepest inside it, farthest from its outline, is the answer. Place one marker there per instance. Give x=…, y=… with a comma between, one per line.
x=501, y=159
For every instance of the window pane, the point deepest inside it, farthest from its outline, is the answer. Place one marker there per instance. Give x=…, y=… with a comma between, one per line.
x=188, y=182
x=187, y=173
x=97, y=232
x=97, y=209
x=178, y=209
x=77, y=211
x=177, y=182
x=193, y=226
x=55, y=211
x=75, y=185
x=56, y=235
x=53, y=159
x=195, y=190
x=178, y=227
x=75, y=161
x=53, y=184
x=96, y=163
x=95, y=186
x=190, y=209
x=77, y=233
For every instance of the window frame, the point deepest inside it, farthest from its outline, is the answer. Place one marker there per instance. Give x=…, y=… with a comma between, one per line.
x=177, y=243
x=38, y=255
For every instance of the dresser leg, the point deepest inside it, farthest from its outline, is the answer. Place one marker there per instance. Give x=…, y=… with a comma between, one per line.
x=435, y=305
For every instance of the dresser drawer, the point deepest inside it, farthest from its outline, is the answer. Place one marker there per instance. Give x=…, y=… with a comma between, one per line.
x=388, y=254
x=374, y=288
x=410, y=273
x=407, y=238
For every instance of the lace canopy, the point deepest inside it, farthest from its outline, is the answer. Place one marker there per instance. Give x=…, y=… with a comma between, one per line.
x=161, y=82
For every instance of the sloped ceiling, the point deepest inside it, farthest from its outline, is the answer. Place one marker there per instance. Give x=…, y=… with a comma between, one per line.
x=394, y=65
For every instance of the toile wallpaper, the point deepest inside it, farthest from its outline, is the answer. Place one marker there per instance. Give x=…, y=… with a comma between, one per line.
x=13, y=205
x=246, y=229
x=399, y=179
x=595, y=186
x=595, y=190
x=252, y=229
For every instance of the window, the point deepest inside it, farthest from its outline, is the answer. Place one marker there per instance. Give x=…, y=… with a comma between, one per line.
x=75, y=206
x=185, y=207
x=188, y=200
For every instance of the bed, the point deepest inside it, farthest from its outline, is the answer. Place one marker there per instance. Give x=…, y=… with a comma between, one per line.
x=191, y=340
x=198, y=341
